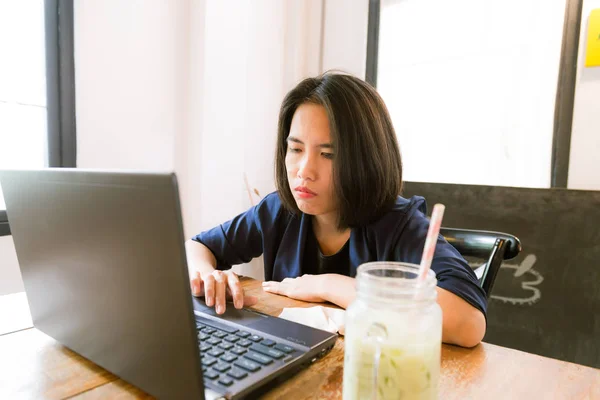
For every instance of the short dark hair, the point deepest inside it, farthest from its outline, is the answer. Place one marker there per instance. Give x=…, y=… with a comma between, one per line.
x=367, y=167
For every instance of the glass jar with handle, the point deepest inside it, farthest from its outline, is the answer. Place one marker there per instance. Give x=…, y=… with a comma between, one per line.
x=393, y=334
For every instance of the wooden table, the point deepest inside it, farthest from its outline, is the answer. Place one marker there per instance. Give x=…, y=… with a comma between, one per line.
x=34, y=366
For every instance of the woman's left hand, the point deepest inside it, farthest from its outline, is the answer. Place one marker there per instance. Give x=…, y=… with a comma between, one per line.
x=305, y=288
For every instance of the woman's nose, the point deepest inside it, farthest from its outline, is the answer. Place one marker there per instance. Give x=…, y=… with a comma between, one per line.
x=306, y=169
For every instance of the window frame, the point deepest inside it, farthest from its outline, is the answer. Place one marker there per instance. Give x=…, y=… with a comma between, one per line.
x=4, y=227
x=60, y=89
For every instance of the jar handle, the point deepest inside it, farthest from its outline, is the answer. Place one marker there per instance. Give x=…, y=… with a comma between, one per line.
x=377, y=333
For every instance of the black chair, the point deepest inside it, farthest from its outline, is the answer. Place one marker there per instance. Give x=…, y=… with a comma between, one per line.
x=494, y=247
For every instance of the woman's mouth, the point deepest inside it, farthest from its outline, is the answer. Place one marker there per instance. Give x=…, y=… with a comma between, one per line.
x=304, y=193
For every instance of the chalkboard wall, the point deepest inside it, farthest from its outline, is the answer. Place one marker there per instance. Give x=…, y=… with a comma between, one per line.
x=547, y=300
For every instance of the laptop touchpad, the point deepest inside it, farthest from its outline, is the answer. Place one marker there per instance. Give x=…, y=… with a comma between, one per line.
x=243, y=317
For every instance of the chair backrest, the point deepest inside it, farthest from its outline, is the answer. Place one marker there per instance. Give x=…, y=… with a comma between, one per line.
x=494, y=247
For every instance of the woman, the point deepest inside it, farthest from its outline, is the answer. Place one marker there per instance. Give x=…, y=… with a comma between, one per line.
x=337, y=206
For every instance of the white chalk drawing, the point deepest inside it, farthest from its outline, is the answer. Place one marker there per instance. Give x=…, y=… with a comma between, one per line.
x=529, y=290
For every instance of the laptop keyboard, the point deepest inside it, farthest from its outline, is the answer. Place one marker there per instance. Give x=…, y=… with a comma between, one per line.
x=230, y=355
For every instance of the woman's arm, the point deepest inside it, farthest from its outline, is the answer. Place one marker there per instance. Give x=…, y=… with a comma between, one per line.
x=334, y=288
x=200, y=258
x=215, y=285
x=212, y=253
x=462, y=324
x=338, y=289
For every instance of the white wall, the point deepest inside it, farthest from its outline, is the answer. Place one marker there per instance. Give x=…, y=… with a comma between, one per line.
x=584, y=170
x=345, y=36
x=130, y=95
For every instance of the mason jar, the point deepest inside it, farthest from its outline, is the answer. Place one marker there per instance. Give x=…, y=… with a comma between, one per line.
x=393, y=334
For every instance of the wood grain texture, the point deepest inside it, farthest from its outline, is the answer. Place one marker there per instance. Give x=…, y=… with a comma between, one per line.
x=34, y=366
x=115, y=390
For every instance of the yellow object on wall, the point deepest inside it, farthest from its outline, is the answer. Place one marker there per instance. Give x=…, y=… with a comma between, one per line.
x=592, y=52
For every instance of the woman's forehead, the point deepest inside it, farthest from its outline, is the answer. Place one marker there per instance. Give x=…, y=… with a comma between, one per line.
x=310, y=124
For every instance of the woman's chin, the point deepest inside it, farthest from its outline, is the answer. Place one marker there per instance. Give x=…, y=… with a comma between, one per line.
x=306, y=208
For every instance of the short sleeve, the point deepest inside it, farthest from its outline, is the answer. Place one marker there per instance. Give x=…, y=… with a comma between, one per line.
x=241, y=239
x=452, y=271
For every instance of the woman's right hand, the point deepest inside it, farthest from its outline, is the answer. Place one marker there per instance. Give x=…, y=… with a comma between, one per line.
x=218, y=286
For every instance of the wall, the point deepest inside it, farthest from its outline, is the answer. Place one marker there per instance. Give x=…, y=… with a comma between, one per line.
x=129, y=88
x=584, y=172
x=345, y=36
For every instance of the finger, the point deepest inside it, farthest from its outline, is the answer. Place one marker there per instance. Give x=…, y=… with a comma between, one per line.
x=196, y=283
x=209, y=290
x=248, y=300
x=193, y=284
x=237, y=293
x=273, y=287
x=220, y=284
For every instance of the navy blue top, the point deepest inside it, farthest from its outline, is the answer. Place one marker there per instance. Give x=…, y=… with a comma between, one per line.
x=280, y=236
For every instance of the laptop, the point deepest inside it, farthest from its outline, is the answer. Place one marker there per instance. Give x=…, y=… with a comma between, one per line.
x=104, y=267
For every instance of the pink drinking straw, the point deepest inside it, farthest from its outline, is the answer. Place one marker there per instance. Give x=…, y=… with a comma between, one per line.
x=431, y=240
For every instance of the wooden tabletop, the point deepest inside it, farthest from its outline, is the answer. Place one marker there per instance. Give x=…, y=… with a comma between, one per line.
x=34, y=366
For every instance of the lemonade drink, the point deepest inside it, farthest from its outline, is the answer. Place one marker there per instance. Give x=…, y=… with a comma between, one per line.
x=393, y=337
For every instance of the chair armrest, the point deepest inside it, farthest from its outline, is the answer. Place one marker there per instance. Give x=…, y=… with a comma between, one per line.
x=480, y=243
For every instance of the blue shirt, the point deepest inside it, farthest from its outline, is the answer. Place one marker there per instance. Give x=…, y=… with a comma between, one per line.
x=399, y=235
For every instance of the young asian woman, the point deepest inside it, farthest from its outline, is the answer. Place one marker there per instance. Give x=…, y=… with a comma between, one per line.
x=338, y=174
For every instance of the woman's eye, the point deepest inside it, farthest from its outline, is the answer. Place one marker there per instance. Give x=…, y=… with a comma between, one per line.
x=327, y=155
x=294, y=150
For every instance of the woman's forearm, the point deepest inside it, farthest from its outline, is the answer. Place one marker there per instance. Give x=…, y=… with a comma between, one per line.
x=200, y=258
x=462, y=324
x=338, y=289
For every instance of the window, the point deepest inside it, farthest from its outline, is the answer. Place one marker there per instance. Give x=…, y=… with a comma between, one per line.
x=471, y=87
x=23, y=115
x=37, y=127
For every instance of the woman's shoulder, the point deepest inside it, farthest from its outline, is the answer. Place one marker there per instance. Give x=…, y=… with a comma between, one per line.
x=270, y=202
x=270, y=209
x=398, y=216
x=408, y=206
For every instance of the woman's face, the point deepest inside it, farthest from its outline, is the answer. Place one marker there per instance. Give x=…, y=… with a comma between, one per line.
x=309, y=160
